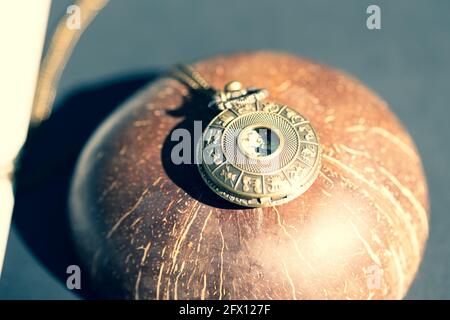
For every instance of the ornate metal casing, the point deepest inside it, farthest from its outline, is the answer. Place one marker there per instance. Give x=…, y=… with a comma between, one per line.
x=256, y=153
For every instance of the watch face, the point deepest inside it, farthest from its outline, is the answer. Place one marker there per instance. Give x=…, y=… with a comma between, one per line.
x=259, y=154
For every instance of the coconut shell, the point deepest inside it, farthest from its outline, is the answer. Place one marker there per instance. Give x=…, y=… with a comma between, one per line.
x=149, y=229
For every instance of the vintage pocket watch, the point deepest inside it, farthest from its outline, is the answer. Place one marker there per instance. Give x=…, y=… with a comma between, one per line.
x=255, y=152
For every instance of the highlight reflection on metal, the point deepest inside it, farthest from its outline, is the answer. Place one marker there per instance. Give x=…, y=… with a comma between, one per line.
x=256, y=153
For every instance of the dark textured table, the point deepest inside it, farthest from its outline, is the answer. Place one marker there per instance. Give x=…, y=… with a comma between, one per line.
x=407, y=62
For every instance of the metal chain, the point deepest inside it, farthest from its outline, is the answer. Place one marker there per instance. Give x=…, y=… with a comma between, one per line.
x=194, y=80
x=191, y=77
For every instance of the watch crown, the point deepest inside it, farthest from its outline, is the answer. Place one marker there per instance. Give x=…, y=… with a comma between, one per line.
x=233, y=86
x=235, y=91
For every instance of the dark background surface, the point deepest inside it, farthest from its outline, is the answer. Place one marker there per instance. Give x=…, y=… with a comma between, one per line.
x=406, y=62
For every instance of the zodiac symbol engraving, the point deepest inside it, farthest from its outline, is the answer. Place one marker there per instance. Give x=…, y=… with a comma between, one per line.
x=308, y=152
x=216, y=155
x=294, y=172
x=213, y=136
x=275, y=183
x=306, y=134
x=251, y=184
x=293, y=116
x=228, y=175
x=271, y=107
x=246, y=108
